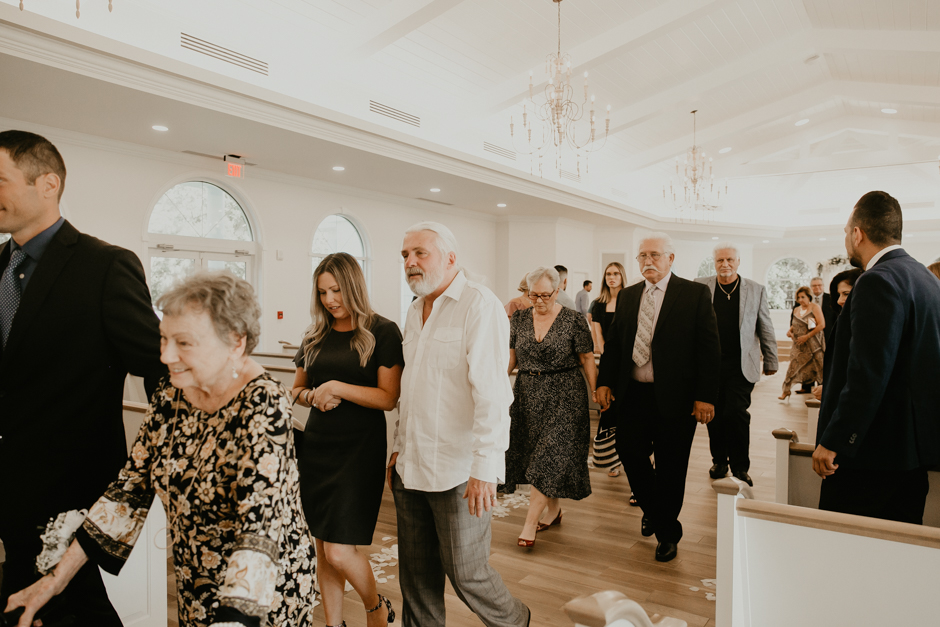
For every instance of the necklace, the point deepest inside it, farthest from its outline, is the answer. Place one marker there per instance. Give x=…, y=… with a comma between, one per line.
x=728, y=294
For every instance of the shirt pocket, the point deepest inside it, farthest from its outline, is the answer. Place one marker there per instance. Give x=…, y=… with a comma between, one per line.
x=446, y=348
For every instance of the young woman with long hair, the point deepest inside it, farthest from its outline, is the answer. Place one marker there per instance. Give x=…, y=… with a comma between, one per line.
x=349, y=373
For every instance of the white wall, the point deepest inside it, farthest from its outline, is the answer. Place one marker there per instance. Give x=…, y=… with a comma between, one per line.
x=111, y=188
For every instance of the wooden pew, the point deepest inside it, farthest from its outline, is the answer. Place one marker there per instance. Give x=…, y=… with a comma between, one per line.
x=614, y=609
x=780, y=565
x=812, y=418
x=797, y=484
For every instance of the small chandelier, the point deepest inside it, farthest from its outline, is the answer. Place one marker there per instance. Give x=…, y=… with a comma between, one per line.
x=78, y=7
x=551, y=126
x=693, y=193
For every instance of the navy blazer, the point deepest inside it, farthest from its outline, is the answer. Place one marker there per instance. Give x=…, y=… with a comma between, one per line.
x=686, y=352
x=881, y=399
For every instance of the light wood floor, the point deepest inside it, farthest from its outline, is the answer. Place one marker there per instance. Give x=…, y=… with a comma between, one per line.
x=599, y=547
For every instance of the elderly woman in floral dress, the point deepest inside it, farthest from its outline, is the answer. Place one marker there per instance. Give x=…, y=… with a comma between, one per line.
x=217, y=449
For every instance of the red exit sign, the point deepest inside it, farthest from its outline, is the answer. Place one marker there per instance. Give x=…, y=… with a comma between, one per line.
x=236, y=169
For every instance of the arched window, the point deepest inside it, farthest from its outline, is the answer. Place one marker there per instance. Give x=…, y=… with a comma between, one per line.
x=198, y=226
x=707, y=267
x=337, y=234
x=783, y=279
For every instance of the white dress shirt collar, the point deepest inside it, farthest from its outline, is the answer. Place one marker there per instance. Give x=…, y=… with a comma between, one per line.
x=881, y=253
x=663, y=282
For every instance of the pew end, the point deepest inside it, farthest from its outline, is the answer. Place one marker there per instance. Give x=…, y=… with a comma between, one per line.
x=613, y=609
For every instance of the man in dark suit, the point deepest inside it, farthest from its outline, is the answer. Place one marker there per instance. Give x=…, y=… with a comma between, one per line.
x=879, y=423
x=663, y=362
x=75, y=317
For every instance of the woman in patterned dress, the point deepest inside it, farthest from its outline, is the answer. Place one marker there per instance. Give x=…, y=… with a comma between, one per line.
x=549, y=430
x=217, y=449
x=809, y=343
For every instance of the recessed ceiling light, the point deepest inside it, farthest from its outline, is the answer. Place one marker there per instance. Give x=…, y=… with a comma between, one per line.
x=889, y=110
x=158, y=127
x=766, y=241
x=502, y=204
x=338, y=168
x=822, y=239
x=802, y=122
x=724, y=150
x=714, y=238
x=435, y=189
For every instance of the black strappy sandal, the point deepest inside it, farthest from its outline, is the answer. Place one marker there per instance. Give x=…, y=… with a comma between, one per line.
x=388, y=604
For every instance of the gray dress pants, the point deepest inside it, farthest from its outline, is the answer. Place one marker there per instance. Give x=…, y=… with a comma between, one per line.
x=437, y=536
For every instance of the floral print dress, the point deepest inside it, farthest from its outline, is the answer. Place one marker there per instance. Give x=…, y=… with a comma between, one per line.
x=229, y=484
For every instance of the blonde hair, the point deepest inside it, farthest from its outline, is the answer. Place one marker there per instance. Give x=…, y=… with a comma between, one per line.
x=352, y=285
x=604, y=296
x=935, y=268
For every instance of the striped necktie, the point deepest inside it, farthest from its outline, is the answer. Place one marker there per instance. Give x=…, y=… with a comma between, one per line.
x=10, y=293
x=644, y=329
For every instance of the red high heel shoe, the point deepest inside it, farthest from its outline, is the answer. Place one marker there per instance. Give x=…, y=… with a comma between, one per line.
x=526, y=543
x=544, y=526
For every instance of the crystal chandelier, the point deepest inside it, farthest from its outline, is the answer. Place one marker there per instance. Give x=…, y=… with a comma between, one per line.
x=693, y=193
x=550, y=127
x=78, y=7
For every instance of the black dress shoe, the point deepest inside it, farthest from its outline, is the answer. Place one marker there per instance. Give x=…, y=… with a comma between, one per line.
x=743, y=476
x=646, y=527
x=718, y=471
x=666, y=551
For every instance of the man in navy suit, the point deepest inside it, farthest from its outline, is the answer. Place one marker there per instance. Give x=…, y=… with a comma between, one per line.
x=879, y=424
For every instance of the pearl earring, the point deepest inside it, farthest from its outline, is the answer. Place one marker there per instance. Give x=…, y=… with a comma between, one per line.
x=234, y=373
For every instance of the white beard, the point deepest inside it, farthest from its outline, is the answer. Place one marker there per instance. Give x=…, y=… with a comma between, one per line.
x=428, y=281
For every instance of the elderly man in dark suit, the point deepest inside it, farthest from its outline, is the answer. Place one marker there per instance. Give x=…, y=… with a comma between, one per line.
x=663, y=362
x=746, y=332
x=879, y=423
x=75, y=317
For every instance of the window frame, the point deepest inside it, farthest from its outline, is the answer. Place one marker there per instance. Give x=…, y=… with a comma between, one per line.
x=361, y=231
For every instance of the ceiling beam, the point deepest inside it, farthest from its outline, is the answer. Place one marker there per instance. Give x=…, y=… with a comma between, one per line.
x=840, y=40
x=394, y=22
x=655, y=23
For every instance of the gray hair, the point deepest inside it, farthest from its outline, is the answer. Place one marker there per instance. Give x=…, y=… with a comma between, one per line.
x=816, y=278
x=445, y=240
x=229, y=301
x=727, y=246
x=541, y=272
x=668, y=246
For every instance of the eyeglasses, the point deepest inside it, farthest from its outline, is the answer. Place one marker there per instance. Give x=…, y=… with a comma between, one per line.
x=542, y=297
x=654, y=256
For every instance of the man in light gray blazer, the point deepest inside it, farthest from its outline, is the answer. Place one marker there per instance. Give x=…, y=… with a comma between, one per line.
x=746, y=332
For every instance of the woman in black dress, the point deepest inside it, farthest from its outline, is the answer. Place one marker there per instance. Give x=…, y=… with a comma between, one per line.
x=550, y=428
x=602, y=314
x=349, y=373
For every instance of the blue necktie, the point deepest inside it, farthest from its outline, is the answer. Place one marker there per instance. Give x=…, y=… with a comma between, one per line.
x=10, y=293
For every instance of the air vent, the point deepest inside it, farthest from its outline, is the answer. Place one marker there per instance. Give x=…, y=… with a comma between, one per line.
x=222, y=54
x=571, y=176
x=818, y=211
x=920, y=205
x=395, y=114
x=619, y=192
x=218, y=157
x=436, y=202
x=496, y=150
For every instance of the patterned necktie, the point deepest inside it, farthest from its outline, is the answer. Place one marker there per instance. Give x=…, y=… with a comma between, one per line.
x=644, y=330
x=10, y=293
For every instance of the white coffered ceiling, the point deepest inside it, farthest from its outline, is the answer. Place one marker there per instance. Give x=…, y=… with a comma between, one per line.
x=752, y=68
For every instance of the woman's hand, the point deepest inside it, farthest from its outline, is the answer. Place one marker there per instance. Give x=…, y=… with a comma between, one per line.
x=32, y=599
x=325, y=397
x=802, y=339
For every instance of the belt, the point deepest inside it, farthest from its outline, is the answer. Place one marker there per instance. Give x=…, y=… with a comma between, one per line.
x=538, y=373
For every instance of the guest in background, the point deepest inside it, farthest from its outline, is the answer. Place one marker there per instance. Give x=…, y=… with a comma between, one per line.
x=451, y=436
x=519, y=302
x=824, y=301
x=217, y=448
x=935, y=268
x=809, y=343
x=563, y=299
x=879, y=424
x=582, y=300
x=75, y=318
x=663, y=361
x=746, y=333
x=349, y=373
x=841, y=285
x=602, y=314
x=550, y=426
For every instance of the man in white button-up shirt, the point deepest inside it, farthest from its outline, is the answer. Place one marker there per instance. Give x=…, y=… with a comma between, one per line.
x=451, y=437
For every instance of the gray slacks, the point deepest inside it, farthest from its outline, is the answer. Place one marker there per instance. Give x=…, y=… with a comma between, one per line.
x=437, y=536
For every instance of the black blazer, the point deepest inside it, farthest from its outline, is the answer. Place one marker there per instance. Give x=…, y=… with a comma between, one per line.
x=881, y=399
x=84, y=321
x=686, y=352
